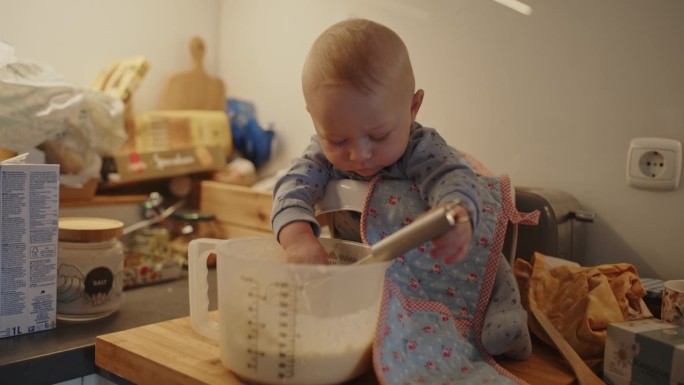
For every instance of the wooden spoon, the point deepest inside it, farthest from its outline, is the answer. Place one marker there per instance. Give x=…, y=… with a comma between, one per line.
x=585, y=376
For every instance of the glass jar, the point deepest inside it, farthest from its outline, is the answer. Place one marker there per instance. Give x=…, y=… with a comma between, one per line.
x=187, y=225
x=90, y=268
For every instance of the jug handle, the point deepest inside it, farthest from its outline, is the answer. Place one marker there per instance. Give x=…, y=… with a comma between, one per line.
x=198, y=253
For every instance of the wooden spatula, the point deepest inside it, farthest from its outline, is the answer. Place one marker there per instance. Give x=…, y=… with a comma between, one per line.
x=585, y=376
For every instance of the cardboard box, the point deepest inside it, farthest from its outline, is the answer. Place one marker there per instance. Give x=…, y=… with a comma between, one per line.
x=167, y=130
x=240, y=211
x=645, y=352
x=139, y=166
x=29, y=212
x=171, y=143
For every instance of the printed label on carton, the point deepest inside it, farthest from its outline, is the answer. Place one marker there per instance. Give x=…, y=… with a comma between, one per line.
x=29, y=212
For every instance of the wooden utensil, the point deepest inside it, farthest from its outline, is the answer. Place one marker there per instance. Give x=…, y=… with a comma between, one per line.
x=423, y=229
x=585, y=376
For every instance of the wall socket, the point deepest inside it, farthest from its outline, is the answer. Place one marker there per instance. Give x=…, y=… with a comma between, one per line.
x=654, y=163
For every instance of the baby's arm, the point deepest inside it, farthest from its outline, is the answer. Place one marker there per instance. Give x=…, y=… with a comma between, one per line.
x=294, y=197
x=441, y=173
x=452, y=246
x=442, y=177
x=301, y=244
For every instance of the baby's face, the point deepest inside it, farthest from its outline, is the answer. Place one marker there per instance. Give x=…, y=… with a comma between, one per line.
x=361, y=132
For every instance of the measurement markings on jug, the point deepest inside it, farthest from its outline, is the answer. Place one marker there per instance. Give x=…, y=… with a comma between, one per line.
x=253, y=324
x=287, y=305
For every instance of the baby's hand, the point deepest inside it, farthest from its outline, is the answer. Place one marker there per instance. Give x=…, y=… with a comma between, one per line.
x=452, y=246
x=301, y=245
x=310, y=251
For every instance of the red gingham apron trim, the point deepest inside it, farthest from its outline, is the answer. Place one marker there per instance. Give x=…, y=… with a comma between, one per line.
x=366, y=202
x=507, y=211
x=389, y=290
x=515, y=216
x=409, y=304
x=494, y=255
x=380, y=331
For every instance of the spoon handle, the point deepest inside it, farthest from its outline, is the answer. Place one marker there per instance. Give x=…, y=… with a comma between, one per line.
x=428, y=226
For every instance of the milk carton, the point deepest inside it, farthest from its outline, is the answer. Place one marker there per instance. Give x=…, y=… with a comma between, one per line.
x=29, y=213
x=644, y=352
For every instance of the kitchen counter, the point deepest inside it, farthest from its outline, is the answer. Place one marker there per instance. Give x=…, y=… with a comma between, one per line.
x=68, y=351
x=172, y=353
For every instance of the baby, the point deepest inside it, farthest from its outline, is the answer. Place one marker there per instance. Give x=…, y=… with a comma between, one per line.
x=359, y=89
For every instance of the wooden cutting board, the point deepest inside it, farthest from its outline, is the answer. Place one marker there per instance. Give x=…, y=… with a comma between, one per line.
x=163, y=353
x=172, y=353
x=194, y=89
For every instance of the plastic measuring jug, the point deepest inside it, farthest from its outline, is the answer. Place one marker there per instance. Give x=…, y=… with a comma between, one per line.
x=274, y=328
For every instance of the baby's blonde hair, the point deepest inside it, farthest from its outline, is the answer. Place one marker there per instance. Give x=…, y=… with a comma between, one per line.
x=358, y=52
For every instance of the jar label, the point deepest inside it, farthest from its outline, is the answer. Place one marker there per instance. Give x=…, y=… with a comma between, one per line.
x=98, y=283
x=89, y=293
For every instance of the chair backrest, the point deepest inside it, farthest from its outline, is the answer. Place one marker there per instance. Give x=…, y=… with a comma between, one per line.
x=343, y=194
x=340, y=195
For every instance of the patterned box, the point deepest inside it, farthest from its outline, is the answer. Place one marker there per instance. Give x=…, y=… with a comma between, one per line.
x=645, y=352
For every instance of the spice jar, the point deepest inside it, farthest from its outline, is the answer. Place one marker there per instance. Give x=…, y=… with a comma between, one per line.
x=90, y=268
x=187, y=225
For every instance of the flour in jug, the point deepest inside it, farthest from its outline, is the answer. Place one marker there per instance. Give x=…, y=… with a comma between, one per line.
x=293, y=348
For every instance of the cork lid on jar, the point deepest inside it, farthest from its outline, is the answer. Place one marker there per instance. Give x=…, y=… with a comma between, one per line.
x=89, y=229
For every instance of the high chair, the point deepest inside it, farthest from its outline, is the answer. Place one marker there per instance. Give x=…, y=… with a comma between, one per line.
x=343, y=194
x=340, y=195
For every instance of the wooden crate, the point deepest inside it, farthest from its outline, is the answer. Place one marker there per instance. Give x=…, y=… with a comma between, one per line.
x=241, y=211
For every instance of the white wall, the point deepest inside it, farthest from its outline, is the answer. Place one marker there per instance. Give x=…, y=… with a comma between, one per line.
x=552, y=99
x=80, y=38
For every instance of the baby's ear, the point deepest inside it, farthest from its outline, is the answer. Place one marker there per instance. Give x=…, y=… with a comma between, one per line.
x=416, y=103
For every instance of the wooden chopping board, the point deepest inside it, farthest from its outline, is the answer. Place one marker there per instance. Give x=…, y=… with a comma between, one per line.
x=172, y=353
x=194, y=89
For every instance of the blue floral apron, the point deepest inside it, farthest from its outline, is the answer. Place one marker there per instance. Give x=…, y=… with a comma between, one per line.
x=438, y=322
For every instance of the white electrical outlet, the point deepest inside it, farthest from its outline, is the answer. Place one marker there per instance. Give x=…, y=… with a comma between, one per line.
x=654, y=163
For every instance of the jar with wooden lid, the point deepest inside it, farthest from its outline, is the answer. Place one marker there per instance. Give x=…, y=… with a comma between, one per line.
x=90, y=268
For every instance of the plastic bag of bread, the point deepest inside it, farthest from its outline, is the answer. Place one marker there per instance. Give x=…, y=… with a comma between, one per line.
x=73, y=126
